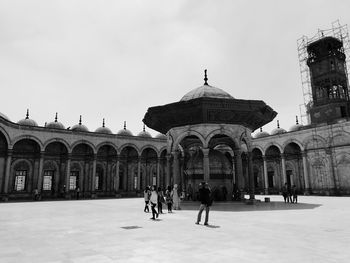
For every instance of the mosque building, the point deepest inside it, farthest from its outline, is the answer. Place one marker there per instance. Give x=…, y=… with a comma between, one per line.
x=206, y=136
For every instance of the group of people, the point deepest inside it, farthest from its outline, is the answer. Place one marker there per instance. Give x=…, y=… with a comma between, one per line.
x=155, y=197
x=290, y=194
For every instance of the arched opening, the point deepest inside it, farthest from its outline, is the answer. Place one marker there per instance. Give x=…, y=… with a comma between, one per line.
x=258, y=170
x=81, y=173
x=294, y=168
x=163, y=169
x=274, y=169
x=148, y=173
x=25, y=171
x=54, y=175
x=3, y=157
x=128, y=169
x=105, y=174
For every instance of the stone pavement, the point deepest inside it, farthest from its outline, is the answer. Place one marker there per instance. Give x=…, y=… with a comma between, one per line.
x=117, y=230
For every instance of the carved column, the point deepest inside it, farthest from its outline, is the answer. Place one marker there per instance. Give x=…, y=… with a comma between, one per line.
x=93, y=177
x=284, y=173
x=333, y=175
x=167, y=176
x=206, y=168
x=68, y=174
x=306, y=174
x=233, y=171
x=266, y=179
x=239, y=174
x=251, y=177
x=158, y=171
x=117, y=180
x=40, y=174
x=138, y=173
x=8, y=170
x=176, y=167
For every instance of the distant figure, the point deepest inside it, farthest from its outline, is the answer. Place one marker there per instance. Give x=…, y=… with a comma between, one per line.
x=146, y=195
x=204, y=198
x=189, y=193
x=224, y=193
x=294, y=194
x=285, y=193
x=176, y=198
x=36, y=194
x=160, y=200
x=78, y=193
x=169, y=199
x=154, y=200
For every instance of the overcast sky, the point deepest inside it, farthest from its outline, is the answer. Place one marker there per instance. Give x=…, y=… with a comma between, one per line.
x=114, y=59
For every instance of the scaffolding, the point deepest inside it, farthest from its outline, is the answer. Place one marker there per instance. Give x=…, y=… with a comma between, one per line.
x=338, y=31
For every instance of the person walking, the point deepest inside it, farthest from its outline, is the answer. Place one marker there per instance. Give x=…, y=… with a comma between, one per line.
x=204, y=198
x=176, y=198
x=146, y=195
x=154, y=201
x=160, y=200
x=169, y=199
x=285, y=193
x=294, y=194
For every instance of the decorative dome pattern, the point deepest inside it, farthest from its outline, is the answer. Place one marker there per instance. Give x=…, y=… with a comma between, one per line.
x=27, y=121
x=144, y=133
x=55, y=124
x=103, y=129
x=124, y=131
x=206, y=91
x=296, y=126
x=80, y=127
x=262, y=134
x=278, y=130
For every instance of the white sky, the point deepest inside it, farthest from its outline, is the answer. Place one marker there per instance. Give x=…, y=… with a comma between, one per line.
x=114, y=59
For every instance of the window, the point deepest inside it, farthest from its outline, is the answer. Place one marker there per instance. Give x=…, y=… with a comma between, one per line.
x=47, y=181
x=20, y=180
x=73, y=180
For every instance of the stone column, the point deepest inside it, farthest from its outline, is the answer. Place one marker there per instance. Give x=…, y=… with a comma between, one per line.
x=117, y=181
x=93, y=176
x=158, y=171
x=239, y=174
x=333, y=174
x=138, y=173
x=167, y=176
x=176, y=167
x=206, y=168
x=40, y=174
x=284, y=173
x=233, y=171
x=68, y=174
x=251, y=176
x=7, y=172
x=266, y=179
x=306, y=174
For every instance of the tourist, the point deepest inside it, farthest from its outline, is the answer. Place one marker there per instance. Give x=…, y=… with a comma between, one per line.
x=154, y=200
x=189, y=193
x=169, y=199
x=36, y=194
x=160, y=200
x=285, y=193
x=78, y=192
x=294, y=194
x=176, y=198
x=146, y=195
x=204, y=198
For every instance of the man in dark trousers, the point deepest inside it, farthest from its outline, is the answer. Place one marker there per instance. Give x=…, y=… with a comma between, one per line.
x=204, y=198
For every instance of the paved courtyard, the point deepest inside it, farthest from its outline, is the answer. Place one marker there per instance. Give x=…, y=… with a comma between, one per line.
x=117, y=230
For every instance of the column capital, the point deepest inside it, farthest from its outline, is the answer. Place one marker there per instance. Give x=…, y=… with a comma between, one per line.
x=304, y=153
x=283, y=156
x=168, y=157
x=205, y=152
x=9, y=152
x=264, y=158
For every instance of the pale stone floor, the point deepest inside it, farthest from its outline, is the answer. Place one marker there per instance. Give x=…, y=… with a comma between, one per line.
x=315, y=230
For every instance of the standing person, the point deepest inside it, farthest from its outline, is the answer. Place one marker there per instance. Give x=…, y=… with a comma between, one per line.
x=146, y=195
x=169, y=198
x=285, y=192
x=154, y=200
x=176, y=198
x=189, y=192
x=160, y=200
x=36, y=194
x=294, y=194
x=204, y=198
x=289, y=193
x=78, y=192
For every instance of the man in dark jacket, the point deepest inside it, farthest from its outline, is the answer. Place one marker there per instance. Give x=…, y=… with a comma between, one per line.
x=204, y=198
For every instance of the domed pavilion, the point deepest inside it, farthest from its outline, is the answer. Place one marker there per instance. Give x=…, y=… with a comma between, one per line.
x=209, y=138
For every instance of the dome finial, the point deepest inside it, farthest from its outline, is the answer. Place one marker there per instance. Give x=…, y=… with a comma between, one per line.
x=56, y=117
x=124, y=125
x=144, y=129
x=80, y=120
x=260, y=129
x=278, y=124
x=103, y=122
x=205, y=77
x=27, y=115
x=296, y=120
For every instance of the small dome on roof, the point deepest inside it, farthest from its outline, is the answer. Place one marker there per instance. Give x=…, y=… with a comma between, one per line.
x=206, y=91
x=161, y=136
x=103, y=129
x=296, y=126
x=55, y=124
x=80, y=127
x=262, y=134
x=125, y=131
x=278, y=130
x=27, y=121
x=144, y=133
x=4, y=116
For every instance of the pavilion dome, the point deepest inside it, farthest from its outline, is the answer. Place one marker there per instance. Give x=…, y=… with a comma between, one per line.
x=27, y=121
x=206, y=91
x=80, y=127
x=262, y=134
x=103, y=129
x=161, y=136
x=124, y=131
x=4, y=116
x=144, y=133
x=296, y=126
x=278, y=130
x=55, y=124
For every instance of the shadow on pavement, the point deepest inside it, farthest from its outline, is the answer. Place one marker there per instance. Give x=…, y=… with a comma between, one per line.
x=244, y=207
